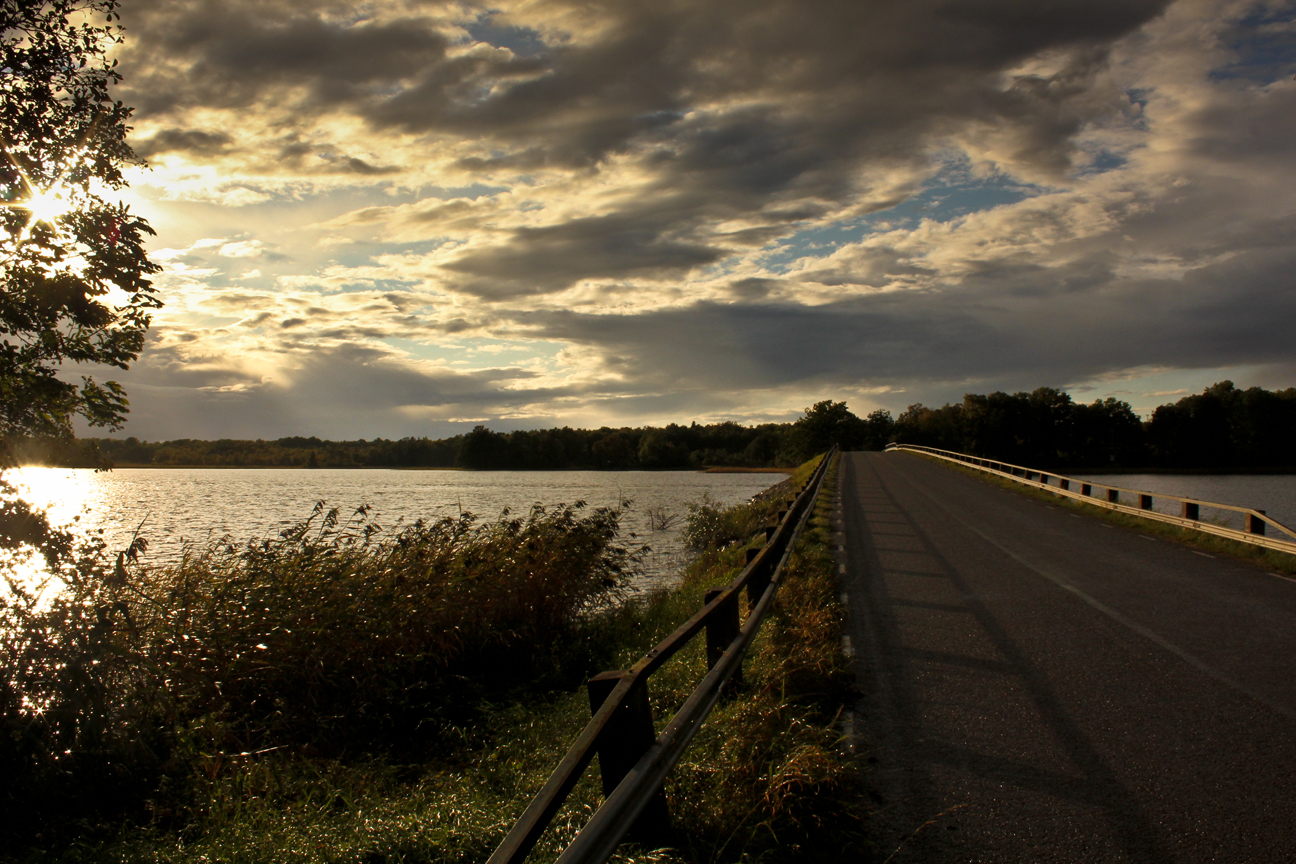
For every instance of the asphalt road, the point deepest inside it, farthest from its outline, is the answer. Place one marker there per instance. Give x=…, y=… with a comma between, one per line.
x=1038, y=686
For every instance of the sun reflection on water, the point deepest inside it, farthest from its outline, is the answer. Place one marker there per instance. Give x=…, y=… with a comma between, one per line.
x=64, y=495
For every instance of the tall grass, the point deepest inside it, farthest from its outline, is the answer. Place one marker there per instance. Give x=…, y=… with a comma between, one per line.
x=414, y=692
x=135, y=686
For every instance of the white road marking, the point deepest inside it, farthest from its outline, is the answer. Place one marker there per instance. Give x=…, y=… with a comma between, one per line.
x=841, y=568
x=846, y=647
x=1203, y=554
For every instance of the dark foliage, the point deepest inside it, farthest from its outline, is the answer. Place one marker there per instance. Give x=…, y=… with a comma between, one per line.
x=670, y=447
x=73, y=277
x=1222, y=428
x=332, y=640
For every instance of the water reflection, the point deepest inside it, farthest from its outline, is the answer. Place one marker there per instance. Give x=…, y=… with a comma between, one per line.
x=174, y=506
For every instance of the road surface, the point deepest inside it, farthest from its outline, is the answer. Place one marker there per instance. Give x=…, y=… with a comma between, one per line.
x=1038, y=686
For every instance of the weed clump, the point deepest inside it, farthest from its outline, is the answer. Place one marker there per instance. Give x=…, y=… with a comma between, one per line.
x=340, y=694
x=710, y=526
x=331, y=640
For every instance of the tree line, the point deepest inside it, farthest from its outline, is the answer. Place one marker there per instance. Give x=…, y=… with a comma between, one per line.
x=1222, y=428
x=669, y=447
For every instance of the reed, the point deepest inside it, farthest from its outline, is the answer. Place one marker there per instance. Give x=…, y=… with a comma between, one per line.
x=333, y=640
x=413, y=692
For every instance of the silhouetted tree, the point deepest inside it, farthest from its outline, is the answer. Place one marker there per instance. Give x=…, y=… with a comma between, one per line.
x=73, y=270
x=824, y=424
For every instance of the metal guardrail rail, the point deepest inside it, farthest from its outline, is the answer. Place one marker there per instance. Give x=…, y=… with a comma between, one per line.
x=634, y=762
x=1190, y=508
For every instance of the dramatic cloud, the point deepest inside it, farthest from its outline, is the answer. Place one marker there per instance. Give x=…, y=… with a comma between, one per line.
x=396, y=218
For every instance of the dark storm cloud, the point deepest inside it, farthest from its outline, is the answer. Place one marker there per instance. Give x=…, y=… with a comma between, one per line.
x=214, y=54
x=541, y=260
x=769, y=110
x=987, y=330
x=654, y=151
x=345, y=391
x=194, y=141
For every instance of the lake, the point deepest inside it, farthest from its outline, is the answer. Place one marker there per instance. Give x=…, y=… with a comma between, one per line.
x=1273, y=493
x=171, y=506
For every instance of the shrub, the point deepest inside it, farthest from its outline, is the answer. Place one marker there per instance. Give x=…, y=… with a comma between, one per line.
x=711, y=526
x=331, y=639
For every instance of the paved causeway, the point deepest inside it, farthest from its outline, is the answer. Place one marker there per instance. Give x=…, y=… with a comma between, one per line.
x=1038, y=686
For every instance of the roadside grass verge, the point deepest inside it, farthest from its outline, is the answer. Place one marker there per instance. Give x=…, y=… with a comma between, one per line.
x=1272, y=559
x=260, y=778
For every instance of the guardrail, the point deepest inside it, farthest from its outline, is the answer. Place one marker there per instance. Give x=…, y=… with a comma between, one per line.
x=634, y=763
x=1190, y=508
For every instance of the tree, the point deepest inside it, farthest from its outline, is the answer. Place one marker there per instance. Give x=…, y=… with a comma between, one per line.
x=879, y=427
x=74, y=285
x=824, y=424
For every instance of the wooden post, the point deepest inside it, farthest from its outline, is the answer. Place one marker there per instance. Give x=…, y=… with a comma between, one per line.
x=1064, y=483
x=721, y=629
x=1145, y=502
x=1086, y=489
x=752, y=552
x=759, y=581
x=1255, y=525
x=1190, y=511
x=625, y=739
x=1113, y=496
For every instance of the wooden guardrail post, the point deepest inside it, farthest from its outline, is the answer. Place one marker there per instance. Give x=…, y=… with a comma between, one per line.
x=722, y=629
x=1145, y=502
x=626, y=738
x=1190, y=511
x=1086, y=489
x=1064, y=483
x=1254, y=524
x=1113, y=496
x=758, y=582
x=1044, y=479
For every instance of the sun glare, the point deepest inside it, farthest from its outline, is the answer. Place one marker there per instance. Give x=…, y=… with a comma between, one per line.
x=48, y=205
x=62, y=494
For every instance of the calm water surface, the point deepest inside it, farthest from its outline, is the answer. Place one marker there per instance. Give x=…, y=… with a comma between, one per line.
x=1273, y=493
x=176, y=505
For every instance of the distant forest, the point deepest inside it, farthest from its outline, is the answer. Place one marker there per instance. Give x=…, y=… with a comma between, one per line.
x=1223, y=428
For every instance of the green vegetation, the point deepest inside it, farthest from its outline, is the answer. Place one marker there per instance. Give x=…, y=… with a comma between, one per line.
x=342, y=695
x=1221, y=429
x=673, y=446
x=74, y=284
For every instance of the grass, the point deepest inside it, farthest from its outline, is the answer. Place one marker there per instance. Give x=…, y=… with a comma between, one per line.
x=337, y=697
x=1272, y=559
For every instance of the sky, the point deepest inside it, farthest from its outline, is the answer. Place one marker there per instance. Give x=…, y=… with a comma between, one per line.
x=384, y=219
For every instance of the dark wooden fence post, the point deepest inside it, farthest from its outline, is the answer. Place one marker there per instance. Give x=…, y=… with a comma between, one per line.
x=758, y=583
x=1086, y=489
x=1191, y=511
x=1064, y=483
x=1113, y=496
x=625, y=739
x=1145, y=502
x=722, y=629
x=1255, y=525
